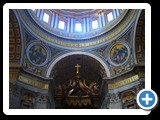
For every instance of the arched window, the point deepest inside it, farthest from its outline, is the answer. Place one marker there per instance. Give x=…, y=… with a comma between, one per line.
x=46, y=17
x=110, y=16
x=78, y=27
x=94, y=24
x=61, y=25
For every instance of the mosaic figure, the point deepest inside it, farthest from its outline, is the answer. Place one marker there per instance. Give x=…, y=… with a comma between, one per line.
x=37, y=54
x=118, y=54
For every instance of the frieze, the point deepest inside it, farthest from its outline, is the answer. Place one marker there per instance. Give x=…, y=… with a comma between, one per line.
x=123, y=68
x=33, y=82
x=123, y=82
x=33, y=69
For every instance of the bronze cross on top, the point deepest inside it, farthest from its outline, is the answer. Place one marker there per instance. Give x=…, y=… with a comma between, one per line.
x=77, y=66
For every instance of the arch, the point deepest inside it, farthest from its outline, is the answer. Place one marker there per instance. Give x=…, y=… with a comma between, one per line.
x=15, y=39
x=15, y=46
x=134, y=35
x=22, y=35
x=48, y=72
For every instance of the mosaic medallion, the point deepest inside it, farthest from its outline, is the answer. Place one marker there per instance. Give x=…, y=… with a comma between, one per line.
x=118, y=54
x=37, y=54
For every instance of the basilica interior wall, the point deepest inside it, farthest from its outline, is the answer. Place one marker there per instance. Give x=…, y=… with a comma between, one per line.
x=34, y=82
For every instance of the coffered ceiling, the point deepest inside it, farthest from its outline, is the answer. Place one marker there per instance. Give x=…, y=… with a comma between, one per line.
x=14, y=41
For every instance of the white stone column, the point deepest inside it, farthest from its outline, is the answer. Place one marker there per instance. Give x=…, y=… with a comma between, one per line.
x=88, y=24
x=41, y=14
x=38, y=13
x=72, y=25
x=68, y=24
x=114, y=14
x=103, y=19
x=84, y=24
x=56, y=21
x=117, y=11
x=99, y=20
x=106, y=19
x=52, y=19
